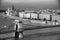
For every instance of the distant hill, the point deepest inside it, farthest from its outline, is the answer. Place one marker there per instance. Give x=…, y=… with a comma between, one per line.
x=2, y=10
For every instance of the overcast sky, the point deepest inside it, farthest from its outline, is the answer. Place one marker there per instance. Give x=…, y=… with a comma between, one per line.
x=22, y=4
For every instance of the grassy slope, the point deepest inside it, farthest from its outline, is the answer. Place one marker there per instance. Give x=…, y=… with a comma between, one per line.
x=4, y=21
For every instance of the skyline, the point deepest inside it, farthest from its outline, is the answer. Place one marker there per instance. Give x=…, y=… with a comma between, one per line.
x=35, y=4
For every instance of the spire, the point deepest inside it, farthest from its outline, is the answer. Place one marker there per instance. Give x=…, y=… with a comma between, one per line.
x=12, y=7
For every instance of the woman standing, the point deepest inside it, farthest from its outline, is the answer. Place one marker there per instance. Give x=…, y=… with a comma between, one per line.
x=19, y=31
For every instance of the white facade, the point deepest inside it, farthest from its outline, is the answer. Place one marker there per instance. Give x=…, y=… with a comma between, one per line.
x=34, y=15
x=27, y=15
x=21, y=14
x=8, y=12
x=42, y=16
x=56, y=17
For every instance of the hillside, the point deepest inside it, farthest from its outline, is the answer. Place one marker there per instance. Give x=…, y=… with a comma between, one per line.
x=5, y=23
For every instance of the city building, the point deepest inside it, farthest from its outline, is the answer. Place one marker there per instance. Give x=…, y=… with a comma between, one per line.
x=34, y=15
x=46, y=16
x=8, y=12
x=21, y=14
x=27, y=15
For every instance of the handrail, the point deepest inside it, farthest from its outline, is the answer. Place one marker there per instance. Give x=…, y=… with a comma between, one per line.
x=26, y=29
x=40, y=27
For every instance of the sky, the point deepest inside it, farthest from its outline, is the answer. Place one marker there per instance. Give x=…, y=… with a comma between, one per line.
x=35, y=4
